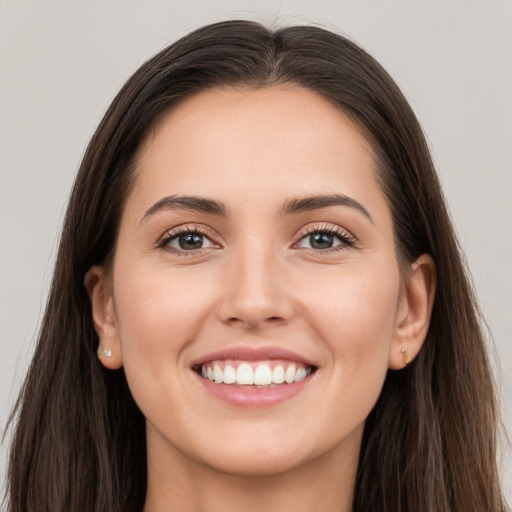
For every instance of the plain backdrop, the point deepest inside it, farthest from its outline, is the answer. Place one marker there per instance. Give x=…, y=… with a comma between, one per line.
x=62, y=62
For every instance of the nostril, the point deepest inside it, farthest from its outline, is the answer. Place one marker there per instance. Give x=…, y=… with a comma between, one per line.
x=253, y=323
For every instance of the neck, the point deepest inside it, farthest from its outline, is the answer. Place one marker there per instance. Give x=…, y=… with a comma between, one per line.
x=325, y=483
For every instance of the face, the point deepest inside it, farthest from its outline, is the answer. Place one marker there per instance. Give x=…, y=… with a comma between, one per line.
x=256, y=244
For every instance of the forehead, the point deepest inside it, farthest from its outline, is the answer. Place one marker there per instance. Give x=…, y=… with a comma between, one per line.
x=273, y=123
x=254, y=145
x=241, y=113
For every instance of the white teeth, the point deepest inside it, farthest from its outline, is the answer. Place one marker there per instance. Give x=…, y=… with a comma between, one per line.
x=262, y=375
x=278, y=375
x=229, y=375
x=251, y=374
x=300, y=374
x=244, y=374
x=289, y=375
x=218, y=374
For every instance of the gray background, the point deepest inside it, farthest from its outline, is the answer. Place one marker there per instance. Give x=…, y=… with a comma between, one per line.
x=62, y=62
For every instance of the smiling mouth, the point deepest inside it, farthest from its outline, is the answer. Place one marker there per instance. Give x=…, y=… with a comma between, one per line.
x=255, y=374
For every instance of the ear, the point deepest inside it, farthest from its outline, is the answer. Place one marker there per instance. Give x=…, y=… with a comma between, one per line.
x=99, y=287
x=414, y=311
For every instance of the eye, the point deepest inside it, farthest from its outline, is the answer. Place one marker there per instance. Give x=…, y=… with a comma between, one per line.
x=325, y=239
x=319, y=240
x=189, y=242
x=186, y=239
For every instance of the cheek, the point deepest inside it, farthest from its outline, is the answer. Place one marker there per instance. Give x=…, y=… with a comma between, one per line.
x=354, y=313
x=158, y=313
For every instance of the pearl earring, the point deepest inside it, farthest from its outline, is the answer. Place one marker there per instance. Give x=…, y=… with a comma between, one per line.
x=104, y=353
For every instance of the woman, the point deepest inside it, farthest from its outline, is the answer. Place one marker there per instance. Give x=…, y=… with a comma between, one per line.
x=258, y=300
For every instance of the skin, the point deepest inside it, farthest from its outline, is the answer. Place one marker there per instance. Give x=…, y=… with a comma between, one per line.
x=257, y=282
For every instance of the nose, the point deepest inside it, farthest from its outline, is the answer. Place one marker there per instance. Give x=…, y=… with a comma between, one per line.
x=255, y=295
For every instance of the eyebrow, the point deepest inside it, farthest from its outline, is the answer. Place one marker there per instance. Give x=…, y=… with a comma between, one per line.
x=309, y=203
x=197, y=204
x=290, y=206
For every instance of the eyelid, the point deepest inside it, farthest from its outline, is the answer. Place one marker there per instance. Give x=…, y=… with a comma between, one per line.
x=200, y=229
x=348, y=239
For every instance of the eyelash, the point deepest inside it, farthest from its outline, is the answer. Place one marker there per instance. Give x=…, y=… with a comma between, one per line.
x=346, y=239
x=186, y=230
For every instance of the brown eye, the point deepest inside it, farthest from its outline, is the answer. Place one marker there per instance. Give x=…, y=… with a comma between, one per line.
x=323, y=240
x=188, y=241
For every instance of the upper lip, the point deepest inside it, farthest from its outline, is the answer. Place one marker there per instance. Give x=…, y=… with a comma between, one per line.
x=253, y=354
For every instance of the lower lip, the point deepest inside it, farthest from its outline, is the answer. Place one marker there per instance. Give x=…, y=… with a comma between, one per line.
x=248, y=396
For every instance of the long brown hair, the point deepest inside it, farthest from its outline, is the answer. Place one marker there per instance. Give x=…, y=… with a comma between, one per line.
x=430, y=441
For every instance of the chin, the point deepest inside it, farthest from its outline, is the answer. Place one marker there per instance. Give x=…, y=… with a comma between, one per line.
x=254, y=456
x=255, y=464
